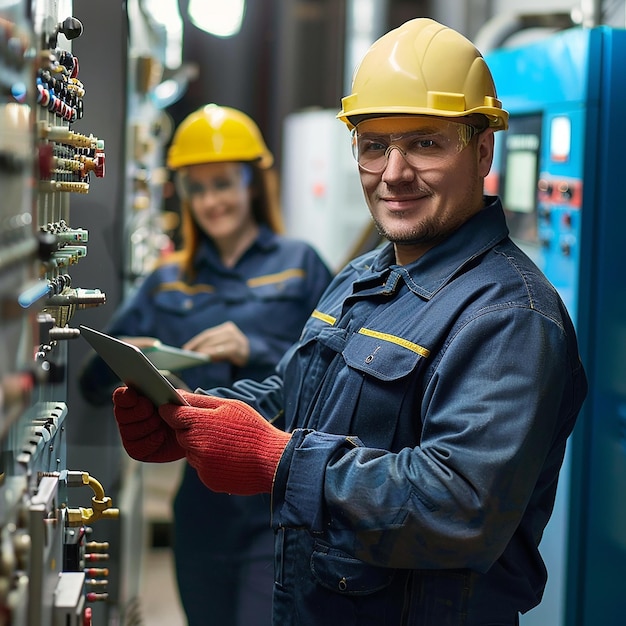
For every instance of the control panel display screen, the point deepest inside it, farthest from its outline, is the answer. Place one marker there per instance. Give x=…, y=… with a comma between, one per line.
x=520, y=172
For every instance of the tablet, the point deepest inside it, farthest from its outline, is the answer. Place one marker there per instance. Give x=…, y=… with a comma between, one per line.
x=133, y=367
x=173, y=359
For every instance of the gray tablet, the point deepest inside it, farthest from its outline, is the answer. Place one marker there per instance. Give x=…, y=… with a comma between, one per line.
x=173, y=359
x=133, y=367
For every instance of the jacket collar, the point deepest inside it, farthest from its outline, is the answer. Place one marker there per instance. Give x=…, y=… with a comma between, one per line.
x=207, y=253
x=440, y=264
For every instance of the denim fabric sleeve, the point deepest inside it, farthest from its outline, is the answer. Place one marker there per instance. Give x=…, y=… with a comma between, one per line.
x=266, y=396
x=294, y=478
x=495, y=415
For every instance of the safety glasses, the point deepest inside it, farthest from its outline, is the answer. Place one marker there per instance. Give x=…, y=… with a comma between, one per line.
x=220, y=185
x=431, y=145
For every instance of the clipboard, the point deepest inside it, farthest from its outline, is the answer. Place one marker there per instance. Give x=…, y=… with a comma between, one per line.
x=133, y=367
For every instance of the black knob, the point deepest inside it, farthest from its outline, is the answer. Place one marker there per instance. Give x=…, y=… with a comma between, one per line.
x=70, y=27
x=48, y=245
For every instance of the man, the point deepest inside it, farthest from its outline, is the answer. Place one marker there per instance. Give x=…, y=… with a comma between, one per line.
x=430, y=397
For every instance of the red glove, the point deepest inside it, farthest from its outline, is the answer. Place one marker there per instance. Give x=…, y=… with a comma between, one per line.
x=233, y=448
x=146, y=437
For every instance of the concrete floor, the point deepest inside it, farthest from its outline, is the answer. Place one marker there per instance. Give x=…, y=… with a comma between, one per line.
x=159, y=597
x=160, y=605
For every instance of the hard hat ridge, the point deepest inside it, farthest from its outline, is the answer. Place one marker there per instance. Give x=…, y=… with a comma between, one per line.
x=423, y=68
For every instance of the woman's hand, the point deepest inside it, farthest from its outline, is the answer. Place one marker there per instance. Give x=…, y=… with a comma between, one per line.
x=142, y=342
x=222, y=343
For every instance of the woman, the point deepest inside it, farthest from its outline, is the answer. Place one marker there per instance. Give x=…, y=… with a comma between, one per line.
x=240, y=293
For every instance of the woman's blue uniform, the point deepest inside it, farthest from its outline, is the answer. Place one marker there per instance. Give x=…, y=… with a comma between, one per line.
x=223, y=544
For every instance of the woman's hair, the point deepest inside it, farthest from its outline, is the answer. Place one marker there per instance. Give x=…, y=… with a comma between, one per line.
x=266, y=211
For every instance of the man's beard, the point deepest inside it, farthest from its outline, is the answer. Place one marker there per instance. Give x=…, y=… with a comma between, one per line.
x=427, y=232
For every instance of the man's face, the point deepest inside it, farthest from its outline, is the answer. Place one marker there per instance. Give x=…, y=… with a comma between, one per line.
x=428, y=186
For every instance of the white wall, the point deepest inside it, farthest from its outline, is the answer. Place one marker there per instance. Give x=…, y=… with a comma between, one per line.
x=470, y=16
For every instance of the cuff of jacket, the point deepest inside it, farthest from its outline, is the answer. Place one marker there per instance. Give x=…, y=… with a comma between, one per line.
x=298, y=490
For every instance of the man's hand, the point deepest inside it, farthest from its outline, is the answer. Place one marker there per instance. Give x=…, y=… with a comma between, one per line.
x=233, y=448
x=145, y=436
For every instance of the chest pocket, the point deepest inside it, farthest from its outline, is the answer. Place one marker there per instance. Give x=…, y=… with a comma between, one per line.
x=287, y=285
x=383, y=356
x=387, y=369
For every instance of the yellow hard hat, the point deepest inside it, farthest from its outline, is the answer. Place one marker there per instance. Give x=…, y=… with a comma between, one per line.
x=423, y=68
x=217, y=133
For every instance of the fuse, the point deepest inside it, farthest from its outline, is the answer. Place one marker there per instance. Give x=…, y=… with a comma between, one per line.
x=97, y=597
x=97, y=571
x=96, y=556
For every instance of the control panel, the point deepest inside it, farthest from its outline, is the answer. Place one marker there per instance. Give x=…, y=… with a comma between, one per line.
x=51, y=570
x=558, y=170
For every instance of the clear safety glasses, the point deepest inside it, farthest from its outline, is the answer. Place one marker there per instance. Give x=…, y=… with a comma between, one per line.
x=217, y=187
x=430, y=146
x=223, y=184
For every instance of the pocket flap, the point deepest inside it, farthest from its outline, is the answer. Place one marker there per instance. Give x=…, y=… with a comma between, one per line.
x=344, y=574
x=384, y=356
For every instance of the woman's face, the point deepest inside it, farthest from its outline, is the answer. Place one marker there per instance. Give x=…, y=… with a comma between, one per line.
x=220, y=199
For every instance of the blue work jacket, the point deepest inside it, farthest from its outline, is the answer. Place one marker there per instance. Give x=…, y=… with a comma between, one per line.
x=430, y=406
